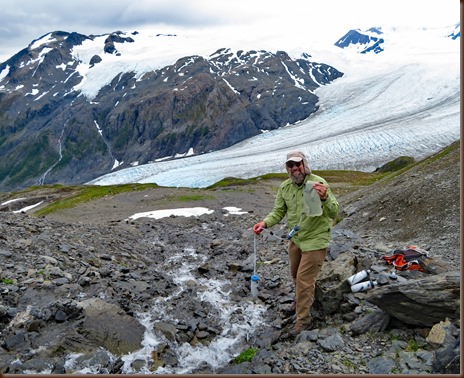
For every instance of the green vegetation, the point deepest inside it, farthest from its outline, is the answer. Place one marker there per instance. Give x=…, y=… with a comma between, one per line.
x=356, y=178
x=397, y=164
x=430, y=159
x=7, y=281
x=84, y=193
x=59, y=187
x=36, y=156
x=341, y=182
x=234, y=181
x=443, y=152
x=246, y=356
x=88, y=193
x=348, y=363
x=412, y=346
x=230, y=181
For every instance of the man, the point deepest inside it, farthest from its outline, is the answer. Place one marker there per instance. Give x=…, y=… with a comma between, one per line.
x=308, y=245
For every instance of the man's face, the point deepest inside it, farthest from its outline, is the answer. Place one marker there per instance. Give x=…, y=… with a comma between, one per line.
x=296, y=171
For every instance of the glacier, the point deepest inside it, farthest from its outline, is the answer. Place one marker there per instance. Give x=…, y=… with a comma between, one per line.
x=402, y=102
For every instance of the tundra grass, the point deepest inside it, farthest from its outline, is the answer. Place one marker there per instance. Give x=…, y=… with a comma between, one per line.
x=89, y=193
x=85, y=193
x=355, y=178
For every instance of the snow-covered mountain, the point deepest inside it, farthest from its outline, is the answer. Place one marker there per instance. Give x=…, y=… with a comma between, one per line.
x=76, y=107
x=363, y=42
x=403, y=101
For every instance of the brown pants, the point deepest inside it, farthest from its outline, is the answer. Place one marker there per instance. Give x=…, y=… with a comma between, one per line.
x=304, y=267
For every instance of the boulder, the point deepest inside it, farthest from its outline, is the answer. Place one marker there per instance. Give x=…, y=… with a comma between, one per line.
x=108, y=326
x=420, y=302
x=331, y=283
x=375, y=321
x=444, y=338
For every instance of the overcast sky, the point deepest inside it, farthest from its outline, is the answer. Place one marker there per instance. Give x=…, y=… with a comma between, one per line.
x=22, y=21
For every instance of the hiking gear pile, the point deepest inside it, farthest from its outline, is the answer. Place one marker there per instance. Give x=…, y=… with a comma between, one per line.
x=407, y=259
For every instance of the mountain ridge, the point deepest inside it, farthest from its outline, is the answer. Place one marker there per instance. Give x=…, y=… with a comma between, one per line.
x=54, y=134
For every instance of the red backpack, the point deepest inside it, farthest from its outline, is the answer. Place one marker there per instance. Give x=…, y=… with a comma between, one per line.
x=406, y=259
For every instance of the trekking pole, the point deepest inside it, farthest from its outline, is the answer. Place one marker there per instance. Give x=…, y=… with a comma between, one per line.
x=254, y=277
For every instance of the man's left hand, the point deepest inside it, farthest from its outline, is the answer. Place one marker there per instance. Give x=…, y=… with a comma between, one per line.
x=321, y=189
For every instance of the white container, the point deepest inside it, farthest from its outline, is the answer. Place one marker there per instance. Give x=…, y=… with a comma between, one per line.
x=254, y=286
x=358, y=277
x=363, y=286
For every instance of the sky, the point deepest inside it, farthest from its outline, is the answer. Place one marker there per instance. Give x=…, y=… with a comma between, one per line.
x=22, y=21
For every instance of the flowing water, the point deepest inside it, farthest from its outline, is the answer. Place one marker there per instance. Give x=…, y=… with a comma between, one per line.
x=237, y=321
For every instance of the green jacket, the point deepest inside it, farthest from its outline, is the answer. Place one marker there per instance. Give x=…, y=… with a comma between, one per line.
x=314, y=232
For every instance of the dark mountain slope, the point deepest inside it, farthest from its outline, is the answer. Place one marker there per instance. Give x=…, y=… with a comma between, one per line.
x=50, y=132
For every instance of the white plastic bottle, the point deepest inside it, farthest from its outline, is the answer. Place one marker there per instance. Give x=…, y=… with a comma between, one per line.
x=358, y=277
x=254, y=286
x=363, y=286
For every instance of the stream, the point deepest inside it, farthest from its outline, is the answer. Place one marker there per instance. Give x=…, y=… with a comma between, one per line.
x=196, y=300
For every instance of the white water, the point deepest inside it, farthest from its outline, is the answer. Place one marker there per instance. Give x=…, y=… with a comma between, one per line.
x=224, y=346
x=238, y=320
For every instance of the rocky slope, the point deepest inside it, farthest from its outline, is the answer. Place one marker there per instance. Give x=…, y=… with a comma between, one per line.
x=68, y=277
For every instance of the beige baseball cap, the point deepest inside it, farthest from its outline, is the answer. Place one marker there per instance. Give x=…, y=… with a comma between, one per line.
x=295, y=156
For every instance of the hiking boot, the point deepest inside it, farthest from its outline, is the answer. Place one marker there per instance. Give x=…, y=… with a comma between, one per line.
x=300, y=327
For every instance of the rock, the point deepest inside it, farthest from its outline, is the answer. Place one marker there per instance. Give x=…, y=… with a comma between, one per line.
x=441, y=333
x=14, y=341
x=7, y=362
x=166, y=329
x=4, y=253
x=381, y=365
x=331, y=283
x=99, y=357
x=421, y=302
x=39, y=364
x=202, y=335
x=411, y=363
x=376, y=321
x=444, y=339
x=107, y=325
x=332, y=343
x=94, y=60
x=434, y=266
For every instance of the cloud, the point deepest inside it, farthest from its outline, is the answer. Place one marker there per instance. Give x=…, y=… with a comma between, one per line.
x=22, y=21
